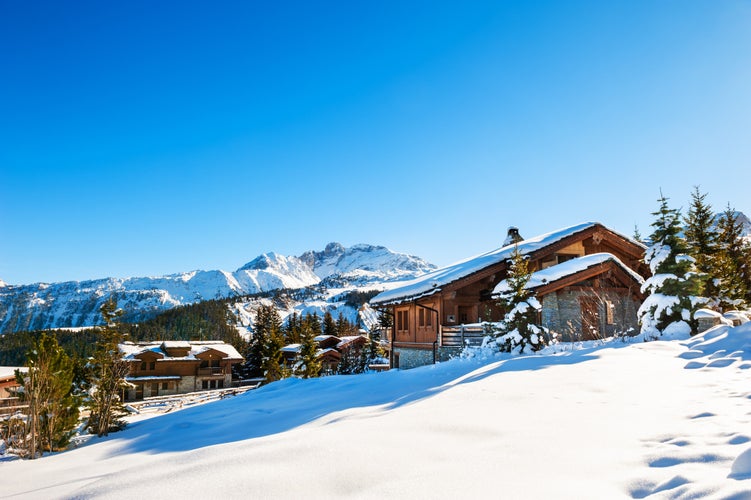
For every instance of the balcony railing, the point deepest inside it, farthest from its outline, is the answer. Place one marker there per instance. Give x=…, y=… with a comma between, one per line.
x=214, y=370
x=462, y=335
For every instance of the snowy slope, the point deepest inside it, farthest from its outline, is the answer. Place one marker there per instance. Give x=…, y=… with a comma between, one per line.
x=563, y=424
x=75, y=304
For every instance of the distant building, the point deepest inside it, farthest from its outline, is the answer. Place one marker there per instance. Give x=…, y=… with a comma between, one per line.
x=587, y=278
x=177, y=367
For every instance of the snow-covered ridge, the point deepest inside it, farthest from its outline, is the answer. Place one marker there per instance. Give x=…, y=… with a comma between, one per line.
x=76, y=303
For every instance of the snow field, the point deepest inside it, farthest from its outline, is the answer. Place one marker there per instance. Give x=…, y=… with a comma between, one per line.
x=638, y=420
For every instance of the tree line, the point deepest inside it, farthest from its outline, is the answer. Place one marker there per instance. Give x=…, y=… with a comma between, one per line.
x=264, y=357
x=700, y=260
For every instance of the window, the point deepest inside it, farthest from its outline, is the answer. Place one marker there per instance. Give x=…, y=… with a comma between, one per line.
x=205, y=384
x=424, y=317
x=148, y=366
x=154, y=389
x=402, y=320
x=152, y=366
x=165, y=386
x=143, y=366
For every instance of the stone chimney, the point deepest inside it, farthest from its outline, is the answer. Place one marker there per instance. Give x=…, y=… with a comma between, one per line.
x=513, y=236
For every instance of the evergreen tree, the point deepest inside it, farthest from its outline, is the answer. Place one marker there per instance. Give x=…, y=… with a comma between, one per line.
x=308, y=365
x=329, y=325
x=293, y=329
x=732, y=272
x=519, y=329
x=637, y=234
x=701, y=239
x=268, y=327
x=49, y=391
x=675, y=286
x=108, y=372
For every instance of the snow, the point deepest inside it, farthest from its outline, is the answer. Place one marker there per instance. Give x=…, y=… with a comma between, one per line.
x=565, y=269
x=131, y=351
x=665, y=419
x=10, y=371
x=432, y=282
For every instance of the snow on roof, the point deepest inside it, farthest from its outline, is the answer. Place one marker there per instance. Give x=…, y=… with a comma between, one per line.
x=176, y=344
x=321, y=338
x=131, y=351
x=10, y=371
x=148, y=378
x=568, y=268
x=291, y=348
x=432, y=282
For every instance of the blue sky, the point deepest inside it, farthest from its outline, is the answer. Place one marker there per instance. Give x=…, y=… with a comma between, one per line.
x=147, y=138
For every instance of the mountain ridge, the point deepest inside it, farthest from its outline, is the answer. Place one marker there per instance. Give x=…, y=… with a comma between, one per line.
x=76, y=303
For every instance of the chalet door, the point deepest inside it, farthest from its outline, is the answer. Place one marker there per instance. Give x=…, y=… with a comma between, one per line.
x=590, y=313
x=465, y=315
x=139, y=391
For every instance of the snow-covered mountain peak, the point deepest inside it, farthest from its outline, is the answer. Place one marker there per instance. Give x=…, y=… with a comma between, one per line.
x=73, y=304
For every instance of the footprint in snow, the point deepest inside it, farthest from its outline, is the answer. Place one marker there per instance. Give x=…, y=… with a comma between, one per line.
x=739, y=439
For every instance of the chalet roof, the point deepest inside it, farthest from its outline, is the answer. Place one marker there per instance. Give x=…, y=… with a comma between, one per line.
x=10, y=371
x=569, y=268
x=291, y=348
x=348, y=339
x=432, y=282
x=131, y=351
x=321, y=338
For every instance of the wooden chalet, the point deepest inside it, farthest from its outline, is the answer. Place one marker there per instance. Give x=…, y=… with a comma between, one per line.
x=587, y=278
x=177, y=367
x=329, y=353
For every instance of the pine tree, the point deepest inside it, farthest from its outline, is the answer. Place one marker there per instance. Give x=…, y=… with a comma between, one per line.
x=293, y=329
x=270, y=340
x=108, y=371
x=675, y=286
x=519, y=329
x=732, y=272
x=50, y=394
x=308, y=365
x=701, y=239
x=329, y=325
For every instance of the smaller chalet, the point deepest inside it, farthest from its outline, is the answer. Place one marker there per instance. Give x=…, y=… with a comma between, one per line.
x=177, y=367
x=9, y=399
x=329, y=353
x=587, y=278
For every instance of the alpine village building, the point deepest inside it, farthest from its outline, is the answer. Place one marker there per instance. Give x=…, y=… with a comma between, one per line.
x=587, y=278
x=177, y=367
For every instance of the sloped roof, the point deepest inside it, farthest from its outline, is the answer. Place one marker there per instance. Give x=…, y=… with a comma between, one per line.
x=431, y=283
x=569, y=268
x=131, y=351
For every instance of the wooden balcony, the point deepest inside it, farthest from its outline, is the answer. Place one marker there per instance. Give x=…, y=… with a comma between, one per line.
x=462, y=335
x=214, y=370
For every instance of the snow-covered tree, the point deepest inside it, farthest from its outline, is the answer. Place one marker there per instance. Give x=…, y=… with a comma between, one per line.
x=519, y=331
x=701, y=238
x=731, y=270
x=675, y=285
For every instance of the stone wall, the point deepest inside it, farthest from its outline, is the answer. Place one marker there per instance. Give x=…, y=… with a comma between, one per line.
x=561, y=313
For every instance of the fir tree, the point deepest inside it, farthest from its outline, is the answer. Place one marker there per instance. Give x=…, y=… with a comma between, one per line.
x=308, y=365
x=329, y=325
x=108, y=371
x=732, y=272
x=519, y=329
x=675, y=286
x=49, y=391
x=268, y=328
x=701, y=239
